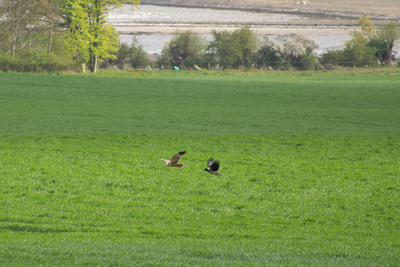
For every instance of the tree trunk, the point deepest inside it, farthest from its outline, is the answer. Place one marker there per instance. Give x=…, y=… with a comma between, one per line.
x=389, y=55
x=30, y=32
x=93, y=63
x=50, y=40
x=13, y=35
x=13, y=41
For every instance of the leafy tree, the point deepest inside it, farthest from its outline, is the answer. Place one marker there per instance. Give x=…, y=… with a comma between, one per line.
x=90, y=38
x=13, y=24
x=290, y=50
x=24, y=25
x=184, y=46
x=138, y=57
x=233, y=49
x=28, y=30
x=74, y=19
x=133, y=55
x=384, y=41
x=368, y=45
x=271, y=54
x=245, y=45
x=365, y=30
x=222, y=48
x=357, y=52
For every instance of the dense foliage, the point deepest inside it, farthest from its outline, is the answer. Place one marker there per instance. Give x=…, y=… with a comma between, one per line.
x=129, y=57
x=243, y=49
x=369, y=46
x=66, y=30
x=185, y=48
x=54, y=35
x=291, y=50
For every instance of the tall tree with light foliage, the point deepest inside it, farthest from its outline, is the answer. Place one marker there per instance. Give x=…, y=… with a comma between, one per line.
x=90, y=38
x=20, y=21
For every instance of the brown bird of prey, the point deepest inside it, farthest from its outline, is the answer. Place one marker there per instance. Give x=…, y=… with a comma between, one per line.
x=212, y=166
x=174, y=160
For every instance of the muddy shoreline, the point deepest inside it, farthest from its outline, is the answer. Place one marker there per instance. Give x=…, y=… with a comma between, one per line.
x=328, y=16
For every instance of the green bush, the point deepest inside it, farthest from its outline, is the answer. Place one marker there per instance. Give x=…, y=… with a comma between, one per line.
x=306, y=62
x=5, y=61
x=185, y=49
x=34, y=61
x=267, y=56
x=332, y=57
x=132, y=55
x=359, y=55
x=233, y=50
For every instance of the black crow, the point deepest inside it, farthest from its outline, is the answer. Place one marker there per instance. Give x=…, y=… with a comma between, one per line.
x=212, y=166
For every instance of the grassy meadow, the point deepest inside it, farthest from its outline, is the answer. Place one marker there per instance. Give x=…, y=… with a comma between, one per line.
x=310, y=167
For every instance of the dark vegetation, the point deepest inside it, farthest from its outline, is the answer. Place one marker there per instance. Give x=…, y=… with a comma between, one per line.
x=56, y=35
x=52, y=35
x=241, y=48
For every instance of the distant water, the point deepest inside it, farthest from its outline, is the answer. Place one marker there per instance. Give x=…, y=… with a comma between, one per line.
x=150, y=14
x=158, y=14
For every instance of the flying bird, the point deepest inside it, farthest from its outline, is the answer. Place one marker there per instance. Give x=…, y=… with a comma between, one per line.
x=174, y=160
x=212, y=166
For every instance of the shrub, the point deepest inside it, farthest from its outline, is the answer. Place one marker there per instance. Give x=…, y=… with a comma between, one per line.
x=289, y=50
x=34, y=61
x=5, y=61
x=335, y=57
x=183, y=46
x=306, y=62
x=359, y=54
x=234, y=49
x=132, y=55
x=270, y=54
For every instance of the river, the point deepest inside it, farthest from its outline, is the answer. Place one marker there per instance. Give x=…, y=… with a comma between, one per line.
x=153, y=26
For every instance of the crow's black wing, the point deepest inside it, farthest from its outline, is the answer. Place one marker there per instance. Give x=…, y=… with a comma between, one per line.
x=215, y=166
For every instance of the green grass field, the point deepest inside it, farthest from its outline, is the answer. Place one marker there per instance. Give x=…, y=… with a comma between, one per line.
x=310, y=164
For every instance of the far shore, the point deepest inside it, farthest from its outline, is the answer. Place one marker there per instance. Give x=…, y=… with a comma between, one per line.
x=339, y=9
x=321, y=20
x=206, y=29
x=321, y=17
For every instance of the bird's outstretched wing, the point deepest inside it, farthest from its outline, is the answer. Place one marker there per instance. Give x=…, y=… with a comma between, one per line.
x=167, y=161
x=215, y=166
x=175, y=158
x=210, y=162
x=212, y=166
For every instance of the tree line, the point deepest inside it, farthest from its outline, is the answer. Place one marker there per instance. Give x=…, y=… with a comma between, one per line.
x=369, y=45
x=48, y=35
x=52, y=35
x=243, y=48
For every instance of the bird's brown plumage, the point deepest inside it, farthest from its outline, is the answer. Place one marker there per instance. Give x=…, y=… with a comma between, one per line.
x=173, y=162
